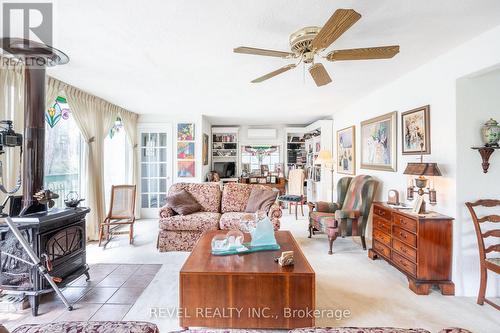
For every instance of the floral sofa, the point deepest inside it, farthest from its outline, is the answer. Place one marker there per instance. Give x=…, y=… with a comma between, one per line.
x=221, y=210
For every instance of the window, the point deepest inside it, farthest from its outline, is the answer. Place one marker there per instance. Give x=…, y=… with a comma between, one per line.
x=116, y=159
x=63, y=151
x=258, y=155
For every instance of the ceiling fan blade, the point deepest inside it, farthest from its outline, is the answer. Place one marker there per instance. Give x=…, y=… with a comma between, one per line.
x=262, y=52
x=319, y=74
x=274, y=73
x=381, y=52
x=338, y=23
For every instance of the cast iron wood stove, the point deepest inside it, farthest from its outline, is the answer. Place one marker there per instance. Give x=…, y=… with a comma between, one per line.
x=57, y=236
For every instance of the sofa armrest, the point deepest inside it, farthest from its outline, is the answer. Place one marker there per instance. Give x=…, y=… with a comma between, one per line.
x=275, y=211
x=165, y=212
x=326, y=207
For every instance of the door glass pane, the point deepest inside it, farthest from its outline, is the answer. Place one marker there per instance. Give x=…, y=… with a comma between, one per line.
x=144, y=170
x=153, y=185
x=153, y=170
x=163, y=185
x=163, y=155
x=145, y=185
x=153, y=200
x=163, y=170
x=144, y=201
x=163, y=139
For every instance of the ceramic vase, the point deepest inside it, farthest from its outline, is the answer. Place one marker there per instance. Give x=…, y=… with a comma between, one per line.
x=491, y=133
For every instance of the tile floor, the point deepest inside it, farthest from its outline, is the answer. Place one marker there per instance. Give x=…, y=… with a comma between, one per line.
x=109, y=295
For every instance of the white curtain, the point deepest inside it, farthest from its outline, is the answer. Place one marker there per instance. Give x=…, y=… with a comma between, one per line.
x=11, y=108
x=129, y=120
x=94, y=118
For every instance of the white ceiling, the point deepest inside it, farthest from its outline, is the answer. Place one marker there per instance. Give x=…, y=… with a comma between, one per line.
x=175, y=57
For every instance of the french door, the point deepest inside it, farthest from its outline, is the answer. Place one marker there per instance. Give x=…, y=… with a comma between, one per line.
x=155, y=161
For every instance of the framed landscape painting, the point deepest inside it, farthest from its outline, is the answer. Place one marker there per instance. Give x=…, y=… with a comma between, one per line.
x=185, y=169
x=416, y=134
x=379, y=143
x=346, y=151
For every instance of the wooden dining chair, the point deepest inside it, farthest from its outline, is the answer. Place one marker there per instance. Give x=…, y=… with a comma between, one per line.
x=295, y=192
x=121, y=213
x=487, y=263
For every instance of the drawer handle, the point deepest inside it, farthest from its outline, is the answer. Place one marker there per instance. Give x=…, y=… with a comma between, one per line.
x=402, y=235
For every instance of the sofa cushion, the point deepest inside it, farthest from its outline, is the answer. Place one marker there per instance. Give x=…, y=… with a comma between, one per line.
x=235, y=196
x=261, y=199
x=183, y=203
x=208, y=195
x=201, y=221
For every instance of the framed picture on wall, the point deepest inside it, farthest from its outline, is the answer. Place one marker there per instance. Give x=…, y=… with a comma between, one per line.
x=185, y=150
x=379, y=143
x=185, y=132
x=346, y=151
x=185, y=169
x=416, y=131
x=204, y=150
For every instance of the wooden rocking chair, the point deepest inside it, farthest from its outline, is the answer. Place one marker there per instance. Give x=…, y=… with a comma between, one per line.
x=487, y=263
x=121, y=212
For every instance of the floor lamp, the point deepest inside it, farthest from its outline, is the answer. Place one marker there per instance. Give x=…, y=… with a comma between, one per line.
x=325, y=159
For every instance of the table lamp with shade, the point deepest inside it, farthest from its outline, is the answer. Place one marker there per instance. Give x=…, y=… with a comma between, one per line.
x=422, y=182
x=325, y=159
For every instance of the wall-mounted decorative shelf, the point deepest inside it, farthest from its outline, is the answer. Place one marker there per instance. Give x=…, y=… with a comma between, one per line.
x=485, y=155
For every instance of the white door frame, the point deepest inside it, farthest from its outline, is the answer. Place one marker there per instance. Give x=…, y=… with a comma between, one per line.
x=162, y=128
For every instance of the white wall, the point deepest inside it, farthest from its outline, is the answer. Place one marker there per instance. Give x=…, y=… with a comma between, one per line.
x=478, y=100
x=433, y=83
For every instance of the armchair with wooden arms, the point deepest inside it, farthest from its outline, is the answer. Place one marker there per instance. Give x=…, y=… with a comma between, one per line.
x=349, y=215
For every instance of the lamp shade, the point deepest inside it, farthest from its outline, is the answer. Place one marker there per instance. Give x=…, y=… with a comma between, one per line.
x=324, y=158
x=422, y=169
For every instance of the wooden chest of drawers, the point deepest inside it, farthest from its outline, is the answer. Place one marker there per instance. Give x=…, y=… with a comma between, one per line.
x=420, y=246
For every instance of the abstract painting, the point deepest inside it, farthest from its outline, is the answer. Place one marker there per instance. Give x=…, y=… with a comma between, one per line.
x=204, y=151
x=185, y=169
x=185, y=132
x=346, y=151
x=378, y=143
x=185, y=150
x=416, y=131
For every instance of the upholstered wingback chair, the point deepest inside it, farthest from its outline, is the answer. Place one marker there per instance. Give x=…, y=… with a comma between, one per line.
x=349, y=215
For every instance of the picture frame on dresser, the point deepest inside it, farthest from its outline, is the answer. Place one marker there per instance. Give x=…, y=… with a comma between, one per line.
x=416, y=131
x=379, y=143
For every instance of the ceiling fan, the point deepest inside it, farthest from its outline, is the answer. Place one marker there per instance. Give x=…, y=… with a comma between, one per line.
x=309, y=42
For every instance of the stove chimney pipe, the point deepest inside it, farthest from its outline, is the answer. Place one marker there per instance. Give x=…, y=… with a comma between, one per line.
x=36, y=57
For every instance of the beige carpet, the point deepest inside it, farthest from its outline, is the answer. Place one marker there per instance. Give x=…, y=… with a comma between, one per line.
x=375, y=293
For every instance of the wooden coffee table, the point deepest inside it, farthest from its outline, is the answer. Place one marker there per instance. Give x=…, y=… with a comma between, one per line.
x=248, y=290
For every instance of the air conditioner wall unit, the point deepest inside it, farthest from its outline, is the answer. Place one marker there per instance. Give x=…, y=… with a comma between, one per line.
x=262, y=133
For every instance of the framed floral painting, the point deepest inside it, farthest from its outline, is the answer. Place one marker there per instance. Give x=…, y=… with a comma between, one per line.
x=346, y=151
x=379, y=143
x=185, y=132
x=416, y=131
x=185, y=150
